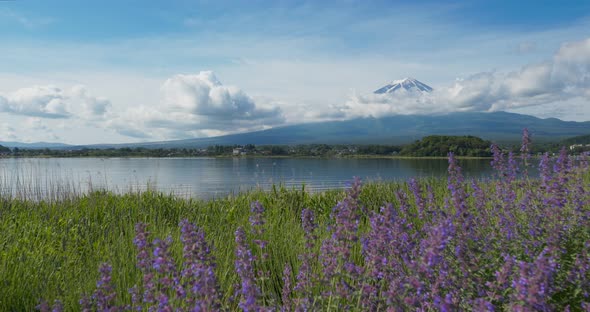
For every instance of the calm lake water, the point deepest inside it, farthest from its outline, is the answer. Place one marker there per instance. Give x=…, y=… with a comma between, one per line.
x=212, y=177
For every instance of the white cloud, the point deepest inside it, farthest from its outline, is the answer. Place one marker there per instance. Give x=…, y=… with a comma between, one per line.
x=572, y=65
x=53, y=102
x=566, y=76
x=7, y=133
x=574, y=109
x=39, y=101
x=196, y=106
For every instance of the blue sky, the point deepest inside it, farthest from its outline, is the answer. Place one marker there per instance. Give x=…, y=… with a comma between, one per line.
x=126, y=71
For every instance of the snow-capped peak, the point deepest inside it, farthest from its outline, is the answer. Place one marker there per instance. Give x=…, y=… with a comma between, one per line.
x=408, y=84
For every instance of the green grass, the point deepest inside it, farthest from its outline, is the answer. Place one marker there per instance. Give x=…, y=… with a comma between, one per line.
x=53, y=249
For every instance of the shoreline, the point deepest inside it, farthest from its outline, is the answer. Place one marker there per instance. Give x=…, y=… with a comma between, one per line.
x=258, y=156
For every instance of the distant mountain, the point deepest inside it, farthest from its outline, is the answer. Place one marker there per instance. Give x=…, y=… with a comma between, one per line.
x=406, y=84
x=36, y=145
x=497, y=126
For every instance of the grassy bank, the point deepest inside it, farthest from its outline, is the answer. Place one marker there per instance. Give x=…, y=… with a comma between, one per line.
x=442, y=244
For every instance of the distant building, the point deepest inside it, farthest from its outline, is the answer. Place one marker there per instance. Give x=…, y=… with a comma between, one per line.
x=572, y=147
x=238, y=151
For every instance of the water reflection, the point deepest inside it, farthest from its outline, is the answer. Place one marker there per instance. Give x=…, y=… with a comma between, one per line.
x=213, y=177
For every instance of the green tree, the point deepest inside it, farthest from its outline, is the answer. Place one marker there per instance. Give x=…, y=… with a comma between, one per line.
x=4, y=150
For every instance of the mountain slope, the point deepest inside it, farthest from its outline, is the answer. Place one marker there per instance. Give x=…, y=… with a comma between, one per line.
x=497, y=126
x=401, y=129
x=36, y=145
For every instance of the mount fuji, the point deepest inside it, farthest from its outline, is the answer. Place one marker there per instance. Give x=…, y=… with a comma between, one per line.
x=407, y=84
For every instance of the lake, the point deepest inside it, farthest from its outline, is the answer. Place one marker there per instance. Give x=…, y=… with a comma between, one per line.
x=212, y=177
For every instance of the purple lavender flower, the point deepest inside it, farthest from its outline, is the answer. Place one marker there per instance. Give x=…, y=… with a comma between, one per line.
x=580, y=272
x=444, y=305
x=482, y=305
x=436, y=242
x=43, y=306
x=256, y=217
x=498, y=162
x=305, y=277
x=431, y=199
x=257, y=225
x=556, y=184
x=286, y=293
x=57, y=306
x=562, y=165
x=105, y=294
x=532, y=284
x=383, y=241
x=163, y=303
x=346, y=214
x=144, y=263
x=417, y=191
x=248, y=290
x=404, y=206
x=455, y=185
x=141, y=242
x=135, y=299
x=163, y=265
x=545, y=169
x=386, y=248
x=336, y=251
x=198, y=269
x=479, y=196
x=309, y=226
x=85, y=303
x=512, y=168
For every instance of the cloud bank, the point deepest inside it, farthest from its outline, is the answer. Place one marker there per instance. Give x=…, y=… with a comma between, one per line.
x=198, y=105
x=195, y=105
x=55, y=103
x=564, y=77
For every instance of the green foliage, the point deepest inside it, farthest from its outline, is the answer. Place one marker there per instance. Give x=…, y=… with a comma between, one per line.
x=313, y=150
x=581, y=139
x=4, y=150
x=378, y=149
x=441, y=145
x=578, y=144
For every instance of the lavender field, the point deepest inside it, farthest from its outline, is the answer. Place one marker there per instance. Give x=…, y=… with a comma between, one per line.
x=510, y=243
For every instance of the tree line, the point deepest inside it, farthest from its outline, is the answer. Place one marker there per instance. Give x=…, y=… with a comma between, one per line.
x=429, y=146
